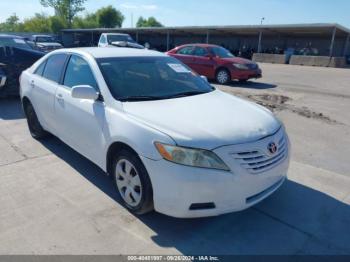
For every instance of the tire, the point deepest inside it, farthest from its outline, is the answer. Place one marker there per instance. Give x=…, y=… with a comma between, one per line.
x=132, y=182
x=35, y=128
x=223, y=76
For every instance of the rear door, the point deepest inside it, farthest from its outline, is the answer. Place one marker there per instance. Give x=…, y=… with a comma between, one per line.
x=203, y=63
x=81, y=121
x=44, y=83
x=185, y=55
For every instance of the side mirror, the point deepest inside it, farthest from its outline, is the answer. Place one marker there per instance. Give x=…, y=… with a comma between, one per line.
x=204, y=78
x=85, y=92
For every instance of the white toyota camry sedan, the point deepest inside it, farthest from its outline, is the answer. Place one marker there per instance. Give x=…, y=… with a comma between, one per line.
x=170, y=141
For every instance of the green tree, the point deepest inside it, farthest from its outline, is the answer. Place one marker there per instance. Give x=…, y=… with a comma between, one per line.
x=12, y=24
x=57, y=24
x=39, y=23
x=66, y=9
x=88, y=21
x=109, y=17
x=150, y=22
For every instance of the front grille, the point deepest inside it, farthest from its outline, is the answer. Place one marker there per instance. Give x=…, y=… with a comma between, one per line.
x=257, y=161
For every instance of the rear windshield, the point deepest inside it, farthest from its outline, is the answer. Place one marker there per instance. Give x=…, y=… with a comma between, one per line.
x=151, y=78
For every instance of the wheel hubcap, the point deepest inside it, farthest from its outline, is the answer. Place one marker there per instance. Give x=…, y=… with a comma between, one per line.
x=222, y=77
x=128, y=182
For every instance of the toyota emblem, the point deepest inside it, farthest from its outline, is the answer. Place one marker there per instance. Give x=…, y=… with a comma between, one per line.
x=272, y=147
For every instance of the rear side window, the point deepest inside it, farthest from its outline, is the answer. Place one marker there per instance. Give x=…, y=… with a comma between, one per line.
x=54, y=67
x=185, y=50
x=79, y=73
x=40, y=69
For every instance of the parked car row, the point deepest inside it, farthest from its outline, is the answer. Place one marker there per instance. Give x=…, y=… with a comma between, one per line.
x=212, y=61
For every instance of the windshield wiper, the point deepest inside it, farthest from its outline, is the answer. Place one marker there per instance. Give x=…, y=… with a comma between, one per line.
x=188, y=93
x=139, y=98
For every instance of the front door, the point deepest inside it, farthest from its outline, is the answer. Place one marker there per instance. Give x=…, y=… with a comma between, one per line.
x=81, y=121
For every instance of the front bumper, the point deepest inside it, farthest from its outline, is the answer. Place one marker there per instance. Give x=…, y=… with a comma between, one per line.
x=176, y=188
x=246, y=74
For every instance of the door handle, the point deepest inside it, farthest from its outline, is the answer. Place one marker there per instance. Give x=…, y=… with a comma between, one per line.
x=59, y=97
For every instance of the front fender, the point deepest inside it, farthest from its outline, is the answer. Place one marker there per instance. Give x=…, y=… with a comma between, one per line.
x=137, y=135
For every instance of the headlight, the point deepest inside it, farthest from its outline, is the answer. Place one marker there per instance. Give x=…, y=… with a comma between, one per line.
x=191, y=157
x=241, y=66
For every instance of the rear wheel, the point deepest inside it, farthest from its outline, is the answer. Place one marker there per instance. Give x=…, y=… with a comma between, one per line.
x=35, y=128
x=133, y=183
x=223, y=76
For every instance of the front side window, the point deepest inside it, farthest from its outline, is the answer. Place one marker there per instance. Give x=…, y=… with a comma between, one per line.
x=221, y=52
x=185, y=50
x=78, y=72
x=150, y=78
x=54, y=67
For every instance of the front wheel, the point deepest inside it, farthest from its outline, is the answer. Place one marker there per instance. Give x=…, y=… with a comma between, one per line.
x=133, y=183
x=223, y=76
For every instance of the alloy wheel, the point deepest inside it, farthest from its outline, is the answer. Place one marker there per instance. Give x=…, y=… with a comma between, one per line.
x=222, y=77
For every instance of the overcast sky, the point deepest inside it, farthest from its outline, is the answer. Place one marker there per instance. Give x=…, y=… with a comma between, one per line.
x=207, y=12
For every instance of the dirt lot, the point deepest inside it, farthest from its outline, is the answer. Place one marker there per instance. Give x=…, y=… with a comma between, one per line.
x=54, y=201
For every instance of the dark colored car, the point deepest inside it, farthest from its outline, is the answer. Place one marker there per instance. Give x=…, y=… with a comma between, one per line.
x=15, y=56
x=216, y=62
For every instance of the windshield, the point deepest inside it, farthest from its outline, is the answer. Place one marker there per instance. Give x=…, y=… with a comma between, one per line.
x=150, y=78
x=119, y=38
x=222, y=52
x=45, y=39
x=14, y=42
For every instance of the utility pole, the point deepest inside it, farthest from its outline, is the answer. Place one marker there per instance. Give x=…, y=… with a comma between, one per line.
x=132, y=20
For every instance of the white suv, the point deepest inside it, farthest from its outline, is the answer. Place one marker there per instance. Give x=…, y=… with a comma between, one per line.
x=118, y=40
x=170, y=141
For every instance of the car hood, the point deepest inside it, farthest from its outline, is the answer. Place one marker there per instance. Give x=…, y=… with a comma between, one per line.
x=206, y=121
x=238, y=60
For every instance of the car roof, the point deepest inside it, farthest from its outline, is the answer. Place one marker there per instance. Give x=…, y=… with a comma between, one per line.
x=42, y=35
x=11, y=36
x=114, y=34
x=200, y=45
x=106, y=52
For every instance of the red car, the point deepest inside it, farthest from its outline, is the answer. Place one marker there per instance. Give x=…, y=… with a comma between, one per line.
x=216, y=62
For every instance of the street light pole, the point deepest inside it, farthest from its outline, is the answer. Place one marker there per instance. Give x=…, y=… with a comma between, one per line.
x=262, y=20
